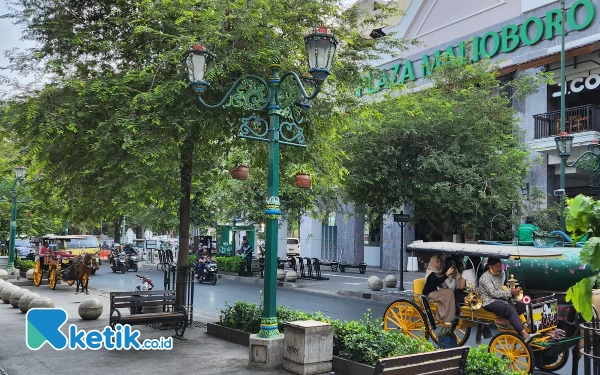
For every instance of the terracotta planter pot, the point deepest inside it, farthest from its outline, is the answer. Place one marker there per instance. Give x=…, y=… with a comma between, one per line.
x=303, y=180
x=240, y=173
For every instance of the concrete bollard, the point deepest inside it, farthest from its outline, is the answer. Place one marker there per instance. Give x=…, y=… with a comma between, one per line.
x=26, y=300
x=390, y=281
x=280, y=275
x=16, y=296
x=41, y=303
x=90, y=309
x=291, y=276
x=3, y=274
x=7, y=291
x=374, y=283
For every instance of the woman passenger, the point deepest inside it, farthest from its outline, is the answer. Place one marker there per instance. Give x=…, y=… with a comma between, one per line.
x=444, y=297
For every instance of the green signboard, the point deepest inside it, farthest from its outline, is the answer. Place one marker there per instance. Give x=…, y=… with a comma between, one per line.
x=531, y=31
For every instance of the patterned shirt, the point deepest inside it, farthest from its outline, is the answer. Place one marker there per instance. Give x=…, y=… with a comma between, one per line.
x=490, y=288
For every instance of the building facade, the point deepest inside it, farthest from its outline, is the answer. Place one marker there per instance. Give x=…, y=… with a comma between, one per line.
x=524, y=37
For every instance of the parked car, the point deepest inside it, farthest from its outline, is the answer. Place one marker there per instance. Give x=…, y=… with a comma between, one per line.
x=293, y=247
x=23, y=248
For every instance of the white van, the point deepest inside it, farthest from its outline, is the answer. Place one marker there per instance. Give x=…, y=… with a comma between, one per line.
x=293, y=247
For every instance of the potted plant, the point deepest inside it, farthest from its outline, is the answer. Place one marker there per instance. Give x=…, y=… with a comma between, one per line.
x=302, y=174
x=239, y=162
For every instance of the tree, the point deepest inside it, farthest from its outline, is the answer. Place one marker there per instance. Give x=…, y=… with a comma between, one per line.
x=453, y=151
x=117, y=129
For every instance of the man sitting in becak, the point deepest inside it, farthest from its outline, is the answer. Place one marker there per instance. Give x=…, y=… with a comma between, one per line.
x=499, y=301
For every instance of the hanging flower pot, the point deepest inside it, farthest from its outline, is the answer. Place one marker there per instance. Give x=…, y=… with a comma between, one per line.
x=303, y=180
x=240, y=173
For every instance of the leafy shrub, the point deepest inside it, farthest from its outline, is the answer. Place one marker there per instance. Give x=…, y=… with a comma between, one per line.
x=230, y=264
x=26, y=265
x=480, y=362
x=192, y=258
x=243, y=315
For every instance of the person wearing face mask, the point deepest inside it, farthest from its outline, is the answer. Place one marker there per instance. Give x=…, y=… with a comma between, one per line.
x=434, y=278
x=499, y=301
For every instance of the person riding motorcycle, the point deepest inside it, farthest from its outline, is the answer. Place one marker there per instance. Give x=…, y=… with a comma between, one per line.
x=200, y=263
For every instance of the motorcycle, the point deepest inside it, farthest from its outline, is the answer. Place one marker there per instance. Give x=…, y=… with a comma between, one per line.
x=117, y=262
x=131, y=261
x=144, y=286
x=210, y=272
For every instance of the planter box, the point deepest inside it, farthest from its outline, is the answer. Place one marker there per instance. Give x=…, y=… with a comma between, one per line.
x=348, y=367
x=228, y=334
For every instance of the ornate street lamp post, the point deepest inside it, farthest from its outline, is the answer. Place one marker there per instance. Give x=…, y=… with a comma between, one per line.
x=283, y=97
x=19, y=178
x=589, y=160
x=563, y=84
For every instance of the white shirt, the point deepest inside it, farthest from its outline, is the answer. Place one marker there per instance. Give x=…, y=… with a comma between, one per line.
x=470, y=276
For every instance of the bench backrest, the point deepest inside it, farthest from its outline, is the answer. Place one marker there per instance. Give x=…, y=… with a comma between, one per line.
x=440, y=362
x=418, y=285
x=148, y=298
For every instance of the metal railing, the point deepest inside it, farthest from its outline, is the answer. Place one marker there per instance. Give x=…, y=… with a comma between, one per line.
x=170, y=282
x=577, y=119
x=591, y=347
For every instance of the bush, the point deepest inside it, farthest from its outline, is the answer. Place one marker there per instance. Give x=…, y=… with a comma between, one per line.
x=243, y=315
x=230, y=264
x=480, y=362
x=362, y=341
x=26, y=265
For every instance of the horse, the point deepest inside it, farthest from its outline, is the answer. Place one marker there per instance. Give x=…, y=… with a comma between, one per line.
x=83, y=270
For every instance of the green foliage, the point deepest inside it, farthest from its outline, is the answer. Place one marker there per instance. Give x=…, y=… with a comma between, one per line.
x=26, y=265
x=230, y=264
x=453, y=151
x=481, y=362
x=243, y=315
x=582, y=216
x=237, y=157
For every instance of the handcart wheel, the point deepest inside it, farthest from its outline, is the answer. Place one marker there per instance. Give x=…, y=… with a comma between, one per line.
x=511, y=346
x=461, y=333
x=558, y=363
x=52, y=276
x=37, y=273
x=406, y=316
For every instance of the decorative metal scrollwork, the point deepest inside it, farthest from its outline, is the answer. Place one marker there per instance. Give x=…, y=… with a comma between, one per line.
x=254, y=127
x=249, y=94
x=589, y=162
x=291, y=133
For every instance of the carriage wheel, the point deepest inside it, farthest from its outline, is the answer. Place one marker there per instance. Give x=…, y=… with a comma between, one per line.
x=84, y=280
x=560, y=362
x=406, y=316
x=70, y=282
x=511, y=346
x=461, y=334
x=52, y=276
x=37, y=273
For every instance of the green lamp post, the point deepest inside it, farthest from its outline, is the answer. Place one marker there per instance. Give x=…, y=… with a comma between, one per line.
x=283, y=97
x=589, y=160
x=19, y=178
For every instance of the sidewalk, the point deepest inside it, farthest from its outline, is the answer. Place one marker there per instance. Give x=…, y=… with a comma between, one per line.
x=199, y=353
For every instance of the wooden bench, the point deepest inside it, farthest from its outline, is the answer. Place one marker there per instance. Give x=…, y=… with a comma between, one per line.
x=153, y=298
x=440, y=362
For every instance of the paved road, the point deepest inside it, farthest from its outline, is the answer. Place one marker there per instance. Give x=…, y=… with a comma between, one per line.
x=210, y=299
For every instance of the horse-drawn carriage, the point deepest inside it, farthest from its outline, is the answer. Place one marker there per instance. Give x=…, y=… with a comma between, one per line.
x=557, y=324
x=58, y=263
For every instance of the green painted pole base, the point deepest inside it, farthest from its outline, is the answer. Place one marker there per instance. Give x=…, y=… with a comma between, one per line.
x=269, y=328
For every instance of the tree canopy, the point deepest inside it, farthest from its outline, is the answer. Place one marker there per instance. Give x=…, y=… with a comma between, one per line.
x=454, y=150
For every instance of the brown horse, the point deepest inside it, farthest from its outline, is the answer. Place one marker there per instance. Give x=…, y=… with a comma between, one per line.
x=83, y=270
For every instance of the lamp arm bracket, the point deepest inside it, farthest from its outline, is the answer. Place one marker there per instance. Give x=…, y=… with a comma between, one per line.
x=298, y=82
x=588, y=161
x=249, y=91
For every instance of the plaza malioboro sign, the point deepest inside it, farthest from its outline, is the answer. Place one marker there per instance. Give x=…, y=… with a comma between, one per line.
x=531, y=31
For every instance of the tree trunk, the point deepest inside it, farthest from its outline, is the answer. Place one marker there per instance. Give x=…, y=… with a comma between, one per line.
x=117, y=229
x=187, y=155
